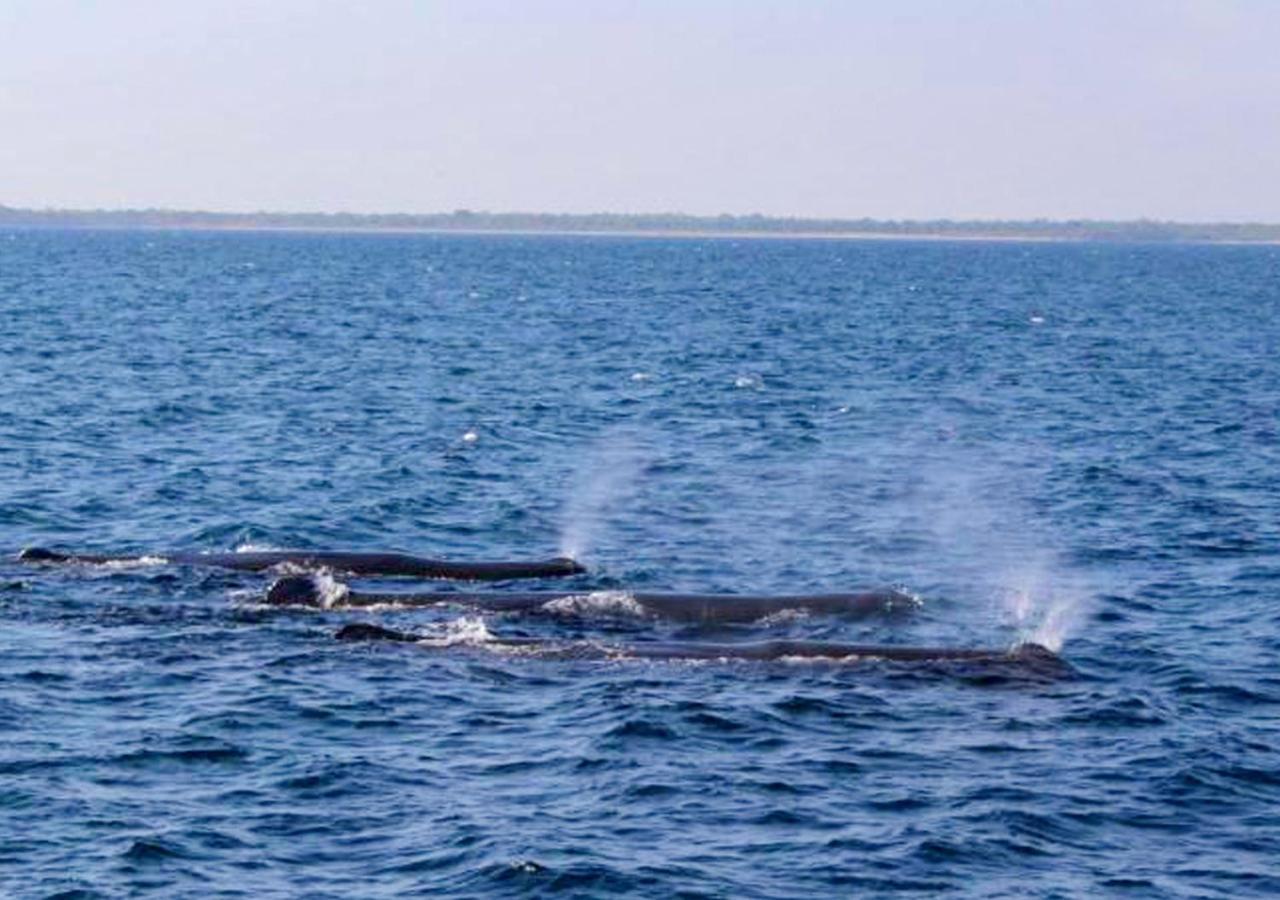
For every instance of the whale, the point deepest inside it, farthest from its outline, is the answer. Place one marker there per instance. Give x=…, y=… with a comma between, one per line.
x=1030, y=656
x=305, y=590
x=355, y=563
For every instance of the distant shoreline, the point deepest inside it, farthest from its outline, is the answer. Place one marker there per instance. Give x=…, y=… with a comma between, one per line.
x=547, y=232
x=464, y=222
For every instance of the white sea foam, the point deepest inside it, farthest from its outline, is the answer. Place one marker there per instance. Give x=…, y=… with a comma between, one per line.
x=847, y=659
x=614, y=652
x=596, y=603
x=783, y=617
x=902, y=598
x=288, y=567
x=140, y=562
x=471, y=632
x=332, y=593
x=468, y=631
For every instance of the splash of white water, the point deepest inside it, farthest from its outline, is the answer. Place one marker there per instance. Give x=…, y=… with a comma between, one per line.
x=332, y=593
x=1042, y=609
x=614, y=604
x=469, y=631
x=140, y=562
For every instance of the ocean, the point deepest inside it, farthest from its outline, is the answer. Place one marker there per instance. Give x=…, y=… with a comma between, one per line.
x=1068, y=443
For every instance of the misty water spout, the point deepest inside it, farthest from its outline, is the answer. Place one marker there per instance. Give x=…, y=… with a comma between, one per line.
x=607, y=479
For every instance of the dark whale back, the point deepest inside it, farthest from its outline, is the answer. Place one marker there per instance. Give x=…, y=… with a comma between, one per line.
x=362, y=631
x=355, y=563
x=1031, y=659
x=307, y=590
x=41, y=554
x=295, y=590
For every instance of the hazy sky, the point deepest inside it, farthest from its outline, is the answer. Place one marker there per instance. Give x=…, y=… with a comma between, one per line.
x=896, y=109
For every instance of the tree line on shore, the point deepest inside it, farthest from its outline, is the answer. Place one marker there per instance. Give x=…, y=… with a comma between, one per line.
x=464, y=220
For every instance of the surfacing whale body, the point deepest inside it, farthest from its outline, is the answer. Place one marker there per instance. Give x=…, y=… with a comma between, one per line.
x=398, y=564
x=304, y=590
x=1031, y=658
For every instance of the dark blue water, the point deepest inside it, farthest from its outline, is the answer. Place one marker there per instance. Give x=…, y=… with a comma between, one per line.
x=1070, y=443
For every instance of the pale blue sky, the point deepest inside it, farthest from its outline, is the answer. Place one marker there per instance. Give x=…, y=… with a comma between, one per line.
x=900, y=109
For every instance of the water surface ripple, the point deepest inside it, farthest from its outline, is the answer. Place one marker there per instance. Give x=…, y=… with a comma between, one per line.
x=1075, y=444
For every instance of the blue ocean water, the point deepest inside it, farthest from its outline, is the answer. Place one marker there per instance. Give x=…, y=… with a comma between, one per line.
x=1075, y=444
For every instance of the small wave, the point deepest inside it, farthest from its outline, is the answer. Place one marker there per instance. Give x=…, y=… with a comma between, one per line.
x=597, y=603
x=222, y=753
x=642, y=727
x=467, y=631
x=153, y=852
x=385, y=607
x=247, y=597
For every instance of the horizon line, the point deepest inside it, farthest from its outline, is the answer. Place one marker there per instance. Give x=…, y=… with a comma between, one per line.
x=606, y=224
x=796, y=218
